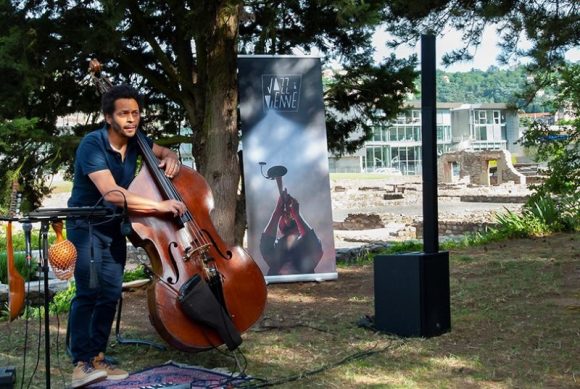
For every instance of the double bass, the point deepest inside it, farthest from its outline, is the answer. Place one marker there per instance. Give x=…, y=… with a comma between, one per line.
x=189, y=248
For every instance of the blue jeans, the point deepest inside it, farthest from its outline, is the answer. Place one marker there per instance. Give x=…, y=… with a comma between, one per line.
x=93, y=310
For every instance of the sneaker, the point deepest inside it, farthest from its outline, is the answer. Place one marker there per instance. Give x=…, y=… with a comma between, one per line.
x=84, y=374
x=113, y=373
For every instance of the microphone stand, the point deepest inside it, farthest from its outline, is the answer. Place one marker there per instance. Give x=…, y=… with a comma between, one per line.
x=27, y=228
x=44, y=258
x=46, y=216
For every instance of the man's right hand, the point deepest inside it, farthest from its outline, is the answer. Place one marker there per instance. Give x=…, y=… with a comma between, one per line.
x=175, y=207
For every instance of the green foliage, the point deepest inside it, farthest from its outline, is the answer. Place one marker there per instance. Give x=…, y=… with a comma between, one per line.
x=60, y=303
x=542, y=215
x=512, y=225
x=491, y=86
x=558, y=213
x=26, y=148
x=62, y=300
x=135, y=274
x=404, y=247
x=18, y=240
x=26, y=270
x=559, y=147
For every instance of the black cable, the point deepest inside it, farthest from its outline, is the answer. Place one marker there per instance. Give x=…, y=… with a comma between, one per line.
x=27, y=308
x=27, y=321
x=126, y=227
x=233, y=378
x=58, y=349
x=107, y=219
x=265, y=327
x=348, y=358
x=39, y=343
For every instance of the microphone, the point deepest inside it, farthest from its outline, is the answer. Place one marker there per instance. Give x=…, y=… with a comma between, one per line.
x=126, y=227
x=27, y=227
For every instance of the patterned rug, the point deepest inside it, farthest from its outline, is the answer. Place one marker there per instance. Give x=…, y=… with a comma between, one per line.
x=173, y=375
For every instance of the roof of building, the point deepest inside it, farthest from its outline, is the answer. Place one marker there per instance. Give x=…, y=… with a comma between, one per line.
x=452, y=105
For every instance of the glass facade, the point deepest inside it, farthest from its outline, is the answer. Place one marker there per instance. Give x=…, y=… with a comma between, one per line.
x=489, y=125
x=377, y=157
x=399, y=144
x=459, y=126
x=407, y=159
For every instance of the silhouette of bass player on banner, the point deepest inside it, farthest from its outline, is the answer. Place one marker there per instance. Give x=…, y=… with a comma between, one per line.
x=296, y=249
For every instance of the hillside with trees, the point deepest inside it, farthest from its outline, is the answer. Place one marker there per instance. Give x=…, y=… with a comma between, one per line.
x=493, y=85
x=478, y=86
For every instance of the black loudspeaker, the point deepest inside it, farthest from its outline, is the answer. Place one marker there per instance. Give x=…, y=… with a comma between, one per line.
x=7, y=377
x=412, y=294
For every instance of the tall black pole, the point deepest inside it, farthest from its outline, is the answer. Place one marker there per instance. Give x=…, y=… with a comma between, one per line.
x=44, y=239
x=429, y=149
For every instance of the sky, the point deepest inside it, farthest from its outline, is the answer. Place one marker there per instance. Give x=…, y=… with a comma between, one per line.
x=485, y=56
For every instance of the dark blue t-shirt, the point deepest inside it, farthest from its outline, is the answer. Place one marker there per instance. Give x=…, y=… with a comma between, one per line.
x=94, y=154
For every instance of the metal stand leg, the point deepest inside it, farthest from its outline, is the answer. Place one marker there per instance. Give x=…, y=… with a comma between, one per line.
x=122, y=340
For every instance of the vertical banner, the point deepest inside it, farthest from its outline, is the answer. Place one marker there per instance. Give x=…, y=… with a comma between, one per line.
x=285, y=160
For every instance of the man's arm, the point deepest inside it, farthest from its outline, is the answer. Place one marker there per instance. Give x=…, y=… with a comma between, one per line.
x=117, y=195
x=272, y=225
x=168, y=160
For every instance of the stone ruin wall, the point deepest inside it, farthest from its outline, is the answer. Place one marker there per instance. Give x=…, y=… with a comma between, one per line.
x=369, y=201
x=411, y=228
x=474, y=167
x=456, y=228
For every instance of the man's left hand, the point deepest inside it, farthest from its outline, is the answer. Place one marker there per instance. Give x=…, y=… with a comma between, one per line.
x=171, y=166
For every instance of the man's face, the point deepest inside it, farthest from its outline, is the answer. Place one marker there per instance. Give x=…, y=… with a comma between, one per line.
x=125, y=119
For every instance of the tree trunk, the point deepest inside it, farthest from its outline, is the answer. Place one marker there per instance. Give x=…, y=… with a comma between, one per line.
x=220, y=165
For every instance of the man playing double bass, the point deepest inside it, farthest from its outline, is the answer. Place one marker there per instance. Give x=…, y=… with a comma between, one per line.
x=105, y=164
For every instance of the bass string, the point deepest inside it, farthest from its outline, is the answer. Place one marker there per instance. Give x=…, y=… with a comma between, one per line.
x=170, y=190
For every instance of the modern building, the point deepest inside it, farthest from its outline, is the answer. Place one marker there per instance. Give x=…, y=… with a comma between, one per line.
x=396, y=147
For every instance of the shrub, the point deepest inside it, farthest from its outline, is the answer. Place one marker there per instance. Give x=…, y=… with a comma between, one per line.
x=27, y=271
x=61, y=300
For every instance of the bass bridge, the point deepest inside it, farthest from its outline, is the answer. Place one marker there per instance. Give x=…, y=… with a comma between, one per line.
x=200, y=250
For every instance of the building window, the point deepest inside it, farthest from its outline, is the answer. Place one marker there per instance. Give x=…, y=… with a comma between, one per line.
x=376, y=157
x=443, y=134
x=489, y=125
x=443, y=117
x=378, y=134
x=481, y=117
x=407, y=159
x=405, y=134
x=415, y=116
x=481, y=133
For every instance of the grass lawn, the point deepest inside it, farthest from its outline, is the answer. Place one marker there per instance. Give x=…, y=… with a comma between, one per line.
x=515, y=324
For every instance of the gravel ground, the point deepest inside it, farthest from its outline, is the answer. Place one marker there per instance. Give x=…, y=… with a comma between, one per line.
x=351, y=199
